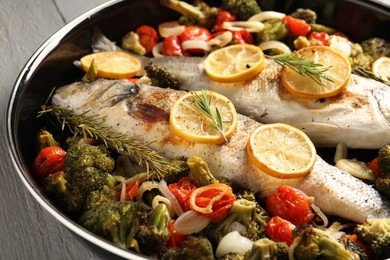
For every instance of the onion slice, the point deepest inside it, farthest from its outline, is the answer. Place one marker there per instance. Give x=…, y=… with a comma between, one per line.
x=266, y=15
x=163, y=187
x=221, y=40
x=190, y=222
x=195, y=44
x=209, y=208
x=250, y=26
x=157, y=50
x=170, y=29
x=278, y=45
x=233, y=242
x=146, y=186
x=160, y=199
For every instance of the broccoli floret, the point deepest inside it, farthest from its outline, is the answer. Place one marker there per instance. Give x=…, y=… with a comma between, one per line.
x=200, y=171
x=132, y=43
x=152, y=238
x=376, y=234
x=161, y=77
x=356, y=247
x=243, y=9
x=313, y=243
x=176, y=170
x=117, y=222
x=103, y=196
x=274, y=30
x=358, y=58
x=384, y=158
x=382, y=184
x=305, y=14
x=265, y=248
x=198, y=14
x=245, y=212
x=84, y=155
x=376, y=47
x=193, y=248
x=44, y=139
x=54, y=186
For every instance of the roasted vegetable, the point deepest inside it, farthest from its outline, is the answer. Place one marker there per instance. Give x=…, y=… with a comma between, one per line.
x=376, y=234
x=313, y=243
x=376, y=47
x=200, y=171
x=152, y=237
x=243, y=9
x=117, y=222
x=384, y=158
x=161, y=77
x=265, y=248
x=274, y=30
x=132, y=43
x=198, y=14
x=193, y=248
x=305, y=14
x=44, y=139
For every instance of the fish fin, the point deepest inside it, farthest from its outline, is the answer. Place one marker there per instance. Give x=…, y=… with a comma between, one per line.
x=320, y=132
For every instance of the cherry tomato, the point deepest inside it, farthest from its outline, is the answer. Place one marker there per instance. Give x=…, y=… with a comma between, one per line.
x=243, y=37
x=280, y=230
x=223, y=16
x=131, y=190
x=297, y=27
x=176, y=238
x=172, y=47
x=148, y=37
x=193, y=32
x=49, y=160
x=220, y=208
x=289, y=204
x=322, y=37
x=374, y=167
x=182, y=191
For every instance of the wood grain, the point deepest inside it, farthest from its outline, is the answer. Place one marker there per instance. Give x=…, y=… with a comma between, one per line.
x=27, y=230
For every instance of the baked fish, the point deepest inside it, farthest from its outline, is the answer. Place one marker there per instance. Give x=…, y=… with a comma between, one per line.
x=359, y=116
x=142, y=111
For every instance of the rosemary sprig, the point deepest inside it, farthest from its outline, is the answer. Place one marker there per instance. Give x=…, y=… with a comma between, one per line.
x=203, y=105
x=92, y=126
x=368, y=74
x=303, y=66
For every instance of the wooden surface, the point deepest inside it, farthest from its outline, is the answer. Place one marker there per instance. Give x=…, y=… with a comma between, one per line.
x=27, y=230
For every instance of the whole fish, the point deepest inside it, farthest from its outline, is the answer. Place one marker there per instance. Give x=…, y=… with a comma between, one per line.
x=142, y=111
x=359, y=116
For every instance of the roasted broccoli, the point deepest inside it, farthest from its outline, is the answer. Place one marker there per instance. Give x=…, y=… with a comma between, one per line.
x=176, y=170
x=152, y=237
x=265, y=248
x=54, y=186
x=376, y=47
x=313, y=243
x=193, y=248
x=354, y=246
x=160, y=77
x=117, y=222
x=243, y=9
x=245, y=212
x=305, y=14
x=198, y=14
x=358, y=57
x=44, y=139
x=274, y=30
x=234, y=256
x=132, y=43
x=376, y=234
x=382, y=184
x=102, y=196
x=384, y=158
x=200, y=171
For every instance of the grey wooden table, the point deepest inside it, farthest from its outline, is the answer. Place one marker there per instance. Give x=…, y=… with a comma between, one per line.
x=27, y=231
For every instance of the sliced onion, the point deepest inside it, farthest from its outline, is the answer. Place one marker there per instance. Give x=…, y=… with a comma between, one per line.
x=341, y=152
x=195, y=44
x=146, y=186
x=209, y=208
x=321, y=214
x=237, y=226
x=189, y=222
x=163, y=187
x=250, y=26
x=266, y=15
x=157, y=50
x=221, y=40
x=278, y=45
x=170, y=29
x=355, y=168
x=160, y=199
x=233, y=242
x=122, y=180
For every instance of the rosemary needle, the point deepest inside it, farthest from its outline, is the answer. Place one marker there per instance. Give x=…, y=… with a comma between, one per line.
x=203, y=105
x=91, y=126
x=303, y=66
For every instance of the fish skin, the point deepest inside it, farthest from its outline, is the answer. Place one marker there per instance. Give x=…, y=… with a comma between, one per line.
x=359, y=116
x=141, y=111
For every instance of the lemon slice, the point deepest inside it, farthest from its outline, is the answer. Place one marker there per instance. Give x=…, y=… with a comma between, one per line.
x=234, y=63
x=281, y=150
x=304, y=86
x=190, y=123
x=112, y=65
x=381, y=68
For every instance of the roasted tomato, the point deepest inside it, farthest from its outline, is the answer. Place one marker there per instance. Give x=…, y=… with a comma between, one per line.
x=280, y=230
x=49, y=160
